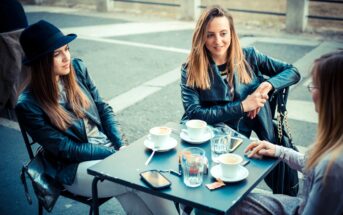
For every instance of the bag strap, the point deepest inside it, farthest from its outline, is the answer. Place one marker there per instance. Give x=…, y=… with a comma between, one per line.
x=282, y=117
x=23, y=181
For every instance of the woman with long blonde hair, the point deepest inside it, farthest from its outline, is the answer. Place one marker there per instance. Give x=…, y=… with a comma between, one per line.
x=62, y=111
x=323, y=165
x=223, y=83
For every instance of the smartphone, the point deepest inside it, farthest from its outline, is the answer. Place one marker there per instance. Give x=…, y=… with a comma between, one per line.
x=155, y=179
x=234, y=143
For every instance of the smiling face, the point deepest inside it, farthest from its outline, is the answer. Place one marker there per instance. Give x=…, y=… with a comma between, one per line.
x=61, y=59
x=218, y=39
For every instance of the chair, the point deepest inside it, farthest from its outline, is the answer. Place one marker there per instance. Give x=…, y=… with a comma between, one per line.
x=29, y=143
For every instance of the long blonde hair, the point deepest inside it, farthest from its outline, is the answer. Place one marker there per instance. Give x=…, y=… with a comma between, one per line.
x=327, y=74
x=197, y=62
x=45, y=90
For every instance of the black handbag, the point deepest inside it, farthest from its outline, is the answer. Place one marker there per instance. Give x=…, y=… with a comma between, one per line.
x=46, y=188
x=283, y=179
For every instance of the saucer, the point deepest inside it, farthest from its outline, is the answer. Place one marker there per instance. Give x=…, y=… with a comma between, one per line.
x=206, y=136
x=216, y=172
x=170, y=144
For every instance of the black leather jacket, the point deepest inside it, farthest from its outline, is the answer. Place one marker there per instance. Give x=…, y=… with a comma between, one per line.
x=64, y=150
x=216, y=105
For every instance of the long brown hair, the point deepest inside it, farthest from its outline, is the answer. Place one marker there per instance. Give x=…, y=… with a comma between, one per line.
x=45, y=89
x=327, y=75
x=197, y=62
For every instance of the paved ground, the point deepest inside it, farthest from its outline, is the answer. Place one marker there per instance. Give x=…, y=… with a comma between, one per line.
x=135, y=63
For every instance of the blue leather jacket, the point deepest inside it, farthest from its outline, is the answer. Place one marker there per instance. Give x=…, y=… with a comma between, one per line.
x=64, y=150
x=216, y=105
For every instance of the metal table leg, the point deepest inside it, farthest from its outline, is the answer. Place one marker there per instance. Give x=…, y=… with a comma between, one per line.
x=95, y=195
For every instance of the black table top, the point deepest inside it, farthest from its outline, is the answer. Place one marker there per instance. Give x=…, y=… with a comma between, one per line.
x=124, y=167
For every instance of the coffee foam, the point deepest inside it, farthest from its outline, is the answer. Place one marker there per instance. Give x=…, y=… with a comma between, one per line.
x=230, y=159
x=196, y=124
x=160, y=130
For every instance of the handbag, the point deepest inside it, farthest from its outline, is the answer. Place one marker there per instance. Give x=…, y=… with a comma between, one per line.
x=283, y=179
x=45, y=187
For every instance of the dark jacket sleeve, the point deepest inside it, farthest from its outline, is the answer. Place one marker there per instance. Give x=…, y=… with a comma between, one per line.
x=280, y=74
x=106, y=114
x=53, y=140
x=212, y=114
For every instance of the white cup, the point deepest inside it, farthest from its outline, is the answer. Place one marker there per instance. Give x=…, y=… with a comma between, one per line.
x=230, y=164
x=196, y=128
x=159, y=135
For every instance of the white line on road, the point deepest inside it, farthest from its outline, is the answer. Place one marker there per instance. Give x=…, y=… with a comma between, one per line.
x=9, y=124
x=141, y=45
x=137, y=94
x=123, y=29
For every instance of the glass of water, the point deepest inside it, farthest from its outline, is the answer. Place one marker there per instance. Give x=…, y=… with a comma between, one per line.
x=193, y=161
x=220, y=144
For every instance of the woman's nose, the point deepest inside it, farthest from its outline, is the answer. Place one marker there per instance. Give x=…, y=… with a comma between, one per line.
x=217, y=38
x=66, y=56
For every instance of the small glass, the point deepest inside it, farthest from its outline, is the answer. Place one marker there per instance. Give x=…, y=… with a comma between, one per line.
x=193, y=161
x=219, y=145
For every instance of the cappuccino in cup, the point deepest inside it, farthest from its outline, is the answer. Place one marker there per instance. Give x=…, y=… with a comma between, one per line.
x=230, y=164
x=159, y=135
x=196, y=128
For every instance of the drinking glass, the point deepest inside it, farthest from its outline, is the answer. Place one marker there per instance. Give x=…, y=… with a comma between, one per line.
x=193, y=161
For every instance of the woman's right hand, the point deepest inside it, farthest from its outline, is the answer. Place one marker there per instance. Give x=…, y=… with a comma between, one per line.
x=254, y=101
x=258, y=149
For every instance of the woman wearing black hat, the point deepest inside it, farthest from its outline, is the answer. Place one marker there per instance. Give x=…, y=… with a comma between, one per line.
x=62, y=110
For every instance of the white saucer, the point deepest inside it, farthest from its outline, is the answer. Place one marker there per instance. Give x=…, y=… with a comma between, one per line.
x=170, y=144
x=207, y=136
x=216, y=172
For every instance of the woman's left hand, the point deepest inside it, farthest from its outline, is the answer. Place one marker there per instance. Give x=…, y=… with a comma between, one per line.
x=258, y=149
x=264, y=88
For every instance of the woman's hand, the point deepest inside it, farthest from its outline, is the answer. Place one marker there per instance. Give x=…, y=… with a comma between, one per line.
x=263, y=89
x=252, y=114
x=258, y=149
x=254, y=101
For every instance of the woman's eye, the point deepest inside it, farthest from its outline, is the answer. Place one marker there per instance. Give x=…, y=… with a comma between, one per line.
x=224, y=33
x=56, y=54
x=209, y=35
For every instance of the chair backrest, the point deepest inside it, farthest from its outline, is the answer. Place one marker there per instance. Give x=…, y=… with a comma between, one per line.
x=27, y=139
x=29, y=143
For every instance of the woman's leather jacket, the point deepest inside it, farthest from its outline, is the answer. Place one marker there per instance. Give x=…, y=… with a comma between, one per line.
x=65, y=149
x=217, y=105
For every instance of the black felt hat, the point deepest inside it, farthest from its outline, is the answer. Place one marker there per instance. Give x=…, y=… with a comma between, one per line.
x=42, y=38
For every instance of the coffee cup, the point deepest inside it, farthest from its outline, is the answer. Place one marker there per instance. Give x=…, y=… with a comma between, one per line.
x=229, y=164
x=196, y=128
x=159, y=135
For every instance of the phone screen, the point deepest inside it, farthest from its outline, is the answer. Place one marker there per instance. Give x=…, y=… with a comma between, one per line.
x=234, y=143
x=155, y=179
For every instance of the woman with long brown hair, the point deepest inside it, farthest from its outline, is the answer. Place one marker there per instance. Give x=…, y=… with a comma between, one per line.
x=62, y=110
x=225, y=84
x=323, y=165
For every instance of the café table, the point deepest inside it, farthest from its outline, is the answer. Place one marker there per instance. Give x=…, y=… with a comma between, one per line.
x=124, y=167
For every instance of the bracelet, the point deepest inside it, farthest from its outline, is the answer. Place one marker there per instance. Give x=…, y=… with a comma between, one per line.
x=242, y=109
